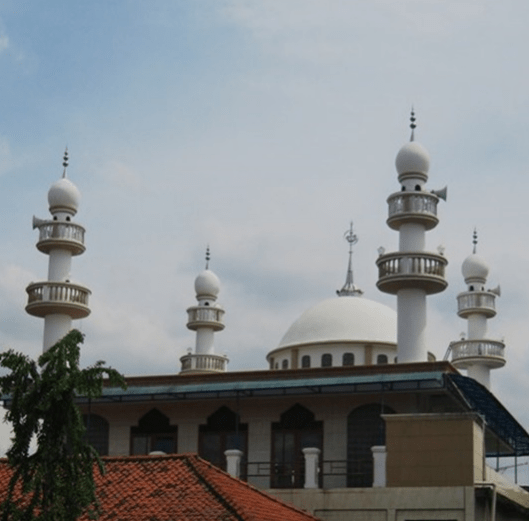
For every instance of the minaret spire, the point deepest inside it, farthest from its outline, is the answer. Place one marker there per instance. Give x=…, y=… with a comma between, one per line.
x=477, y=353
x=412, y=272
x=349, y=289
x=206, y=318
x=413, y=126
x=59, y=301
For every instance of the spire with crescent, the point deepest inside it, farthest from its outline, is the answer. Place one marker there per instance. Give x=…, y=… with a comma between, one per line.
x=349, y=289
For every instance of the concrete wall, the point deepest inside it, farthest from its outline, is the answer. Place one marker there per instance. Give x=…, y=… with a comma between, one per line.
x=433, y=450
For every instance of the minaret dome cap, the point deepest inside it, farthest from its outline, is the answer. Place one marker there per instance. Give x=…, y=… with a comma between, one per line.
x=64, y=196
x=413, y=158
x=207, y=284
x=475, y=269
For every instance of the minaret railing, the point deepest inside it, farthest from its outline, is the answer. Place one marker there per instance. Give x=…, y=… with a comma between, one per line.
x=204, y=316
x=412, y=206
x=477, y=348
x=44, y=296
x=478, y=302
x=204, y=363
x=65, y=234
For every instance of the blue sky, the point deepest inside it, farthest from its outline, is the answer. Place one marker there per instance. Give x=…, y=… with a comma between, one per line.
x=262, y=129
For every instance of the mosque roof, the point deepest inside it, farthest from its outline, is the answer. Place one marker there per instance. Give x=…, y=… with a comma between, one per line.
x=343, y=319
x=179, y=486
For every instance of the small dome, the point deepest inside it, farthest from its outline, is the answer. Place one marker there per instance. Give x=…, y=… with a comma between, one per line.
x=339, y=319
x=63, y=196
x=475, y=268
x=412, y=158
x=207, y=284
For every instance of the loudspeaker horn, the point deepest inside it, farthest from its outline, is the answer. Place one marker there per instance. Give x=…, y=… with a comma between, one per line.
x=37, y=222
x=441, y=193
x=496, y=290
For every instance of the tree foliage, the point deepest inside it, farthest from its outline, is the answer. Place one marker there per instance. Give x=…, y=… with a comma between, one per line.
x=56, y=481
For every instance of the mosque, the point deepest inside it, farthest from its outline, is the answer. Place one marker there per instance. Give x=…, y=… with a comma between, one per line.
x=354, y=419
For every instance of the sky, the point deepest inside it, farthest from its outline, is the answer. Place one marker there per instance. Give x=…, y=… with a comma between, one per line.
x=260, y=129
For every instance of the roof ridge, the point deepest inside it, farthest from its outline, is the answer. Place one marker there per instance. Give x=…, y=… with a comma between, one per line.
x=262, y=493
x=191, y=461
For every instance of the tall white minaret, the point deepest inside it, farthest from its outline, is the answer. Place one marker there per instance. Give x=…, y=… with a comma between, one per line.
x=412, y=273
x=205, y=318
x=58, y=300
x=477, y=354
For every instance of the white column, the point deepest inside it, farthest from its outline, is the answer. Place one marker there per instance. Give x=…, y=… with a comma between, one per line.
x=55, y=328
x=233, y=462
x=379, y=466
x=205, y=341
x=480, y=373
x=312, y=455
x=411, y=325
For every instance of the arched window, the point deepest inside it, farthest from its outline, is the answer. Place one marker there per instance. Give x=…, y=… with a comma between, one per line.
x=153, y=433
x=365, y=429
x=284, y=364
x=326, y=360
x=305, y=361
x=97, y=432
x=348, y=359
x=297, y=430
x=382, y=359
x=221, y=433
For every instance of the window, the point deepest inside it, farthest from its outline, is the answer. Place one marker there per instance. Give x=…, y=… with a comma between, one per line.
x=97, y=432
x=284, y=364
x=382, y=359
x=296, y=430
x=221, y=433
x=305, y=361
x=365, y=429
x=153, y=433
x=348, y=359
x=326, y=360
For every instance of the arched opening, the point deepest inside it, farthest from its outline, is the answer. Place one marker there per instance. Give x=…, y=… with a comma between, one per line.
x=284, y=364
x=305, y=361
x=348, y=359
x=382, y=359
x=417, y=188
x=326, y=360
x=96, y=432
x=153, y=433
x=223, y=432
x=365, y=429
x=297, y=430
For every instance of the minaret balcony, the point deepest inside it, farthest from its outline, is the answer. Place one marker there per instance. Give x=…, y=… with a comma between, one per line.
x=469, y=352
x=60, y=235
x=62, y=298
x=476, y=302
x=412, y=207
x=204, y=316
x=406, y=270
x=204, y=363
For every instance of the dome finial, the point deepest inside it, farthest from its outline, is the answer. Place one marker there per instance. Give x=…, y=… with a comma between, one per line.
x=65, y=162
x=474, y=240
x=349, y=289
x=208, y=257
x=412, y=124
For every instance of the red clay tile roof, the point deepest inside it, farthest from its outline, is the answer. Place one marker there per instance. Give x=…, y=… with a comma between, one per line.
x=180, y=487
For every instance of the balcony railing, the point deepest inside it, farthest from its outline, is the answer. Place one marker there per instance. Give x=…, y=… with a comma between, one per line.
x=46, y=298
x=476, y=302
x=53, y=234
x=205, y=316
x=204, y=363
x=411, y=270
x=483, y=349
x=412, y=207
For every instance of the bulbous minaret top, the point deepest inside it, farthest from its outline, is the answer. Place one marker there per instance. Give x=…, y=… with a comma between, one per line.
x=477, y=353
x=205, y=318
x=58, y=300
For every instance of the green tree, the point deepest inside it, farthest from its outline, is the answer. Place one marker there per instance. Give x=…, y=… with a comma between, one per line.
x=56, y=482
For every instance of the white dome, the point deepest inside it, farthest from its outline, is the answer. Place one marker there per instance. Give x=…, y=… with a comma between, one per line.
x=64, y=195
x=475, y=268
x=343, y=319
x=413, y=158
x=207, y=284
